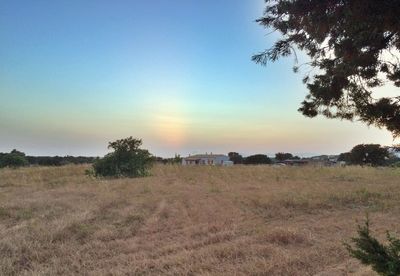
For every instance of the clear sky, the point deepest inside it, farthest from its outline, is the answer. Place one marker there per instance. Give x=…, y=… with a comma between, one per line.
x=75, y=74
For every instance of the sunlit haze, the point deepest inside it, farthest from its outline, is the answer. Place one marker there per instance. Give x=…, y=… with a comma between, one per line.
x=178, y=74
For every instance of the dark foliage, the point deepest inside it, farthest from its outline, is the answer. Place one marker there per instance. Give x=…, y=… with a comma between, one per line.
x=177, y=159
x=281, y=156
x=59, y=160
x=257, y=159
x=370, y=154
x=352, y=46
x=384, y=259
x=14, y=159
x=235, y=157
x=346, y=157
x=126, y=160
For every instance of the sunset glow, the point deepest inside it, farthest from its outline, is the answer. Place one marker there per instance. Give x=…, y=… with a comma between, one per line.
x=75, y=75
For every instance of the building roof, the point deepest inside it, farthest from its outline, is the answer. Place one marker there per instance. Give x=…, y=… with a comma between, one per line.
x=199, y=156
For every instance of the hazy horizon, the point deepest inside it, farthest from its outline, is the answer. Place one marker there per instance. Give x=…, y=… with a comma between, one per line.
x=75, y=75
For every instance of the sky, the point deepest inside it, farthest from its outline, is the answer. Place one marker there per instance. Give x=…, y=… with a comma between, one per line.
x=76, y=74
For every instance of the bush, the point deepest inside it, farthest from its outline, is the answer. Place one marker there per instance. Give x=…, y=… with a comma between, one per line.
x=396, y=165
x=384, y=259
x=257, y=159
x=127, y=160
x=14, y=159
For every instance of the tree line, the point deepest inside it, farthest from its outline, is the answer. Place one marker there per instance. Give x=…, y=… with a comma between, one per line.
x=256, y=159
x=363, y=154
x=17, y=158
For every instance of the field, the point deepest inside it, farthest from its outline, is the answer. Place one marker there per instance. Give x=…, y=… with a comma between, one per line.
x=256, y=220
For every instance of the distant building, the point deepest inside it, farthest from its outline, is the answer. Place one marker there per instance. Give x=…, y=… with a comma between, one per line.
x=324, y=160
x=206, y=159
x=228, y=163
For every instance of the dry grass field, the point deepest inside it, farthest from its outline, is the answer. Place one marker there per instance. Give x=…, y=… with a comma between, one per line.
x=256, y=220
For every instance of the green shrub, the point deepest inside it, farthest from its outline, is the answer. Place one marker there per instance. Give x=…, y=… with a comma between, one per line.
x=14, y=159
x=396, y=165
x=384, y=259
x=127, y=160
x=257, y=159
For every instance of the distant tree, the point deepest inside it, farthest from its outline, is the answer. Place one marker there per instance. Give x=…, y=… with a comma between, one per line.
x=160, y=160
x=257, y=159
x=14, y=159
x=281, y=156
x=384, y=259
x=59, y=160
x=353, y=48
x=2, y=154
x=346, y=157
x=177, y=159
x=372, y=154
x=235, y=157
x=77, y=159
x=126, y=160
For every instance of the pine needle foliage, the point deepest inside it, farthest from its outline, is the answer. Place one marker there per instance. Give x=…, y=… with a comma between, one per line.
x=353, y=47
x=383, y=258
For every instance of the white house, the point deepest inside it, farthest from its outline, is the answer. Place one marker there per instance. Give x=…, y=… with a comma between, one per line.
x=206, y=159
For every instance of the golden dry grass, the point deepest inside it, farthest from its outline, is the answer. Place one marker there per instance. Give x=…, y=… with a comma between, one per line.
x=191, y=220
